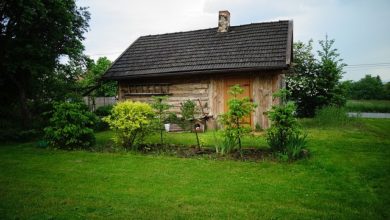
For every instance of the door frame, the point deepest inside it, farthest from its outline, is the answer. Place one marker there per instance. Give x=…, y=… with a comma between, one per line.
x=225, y=92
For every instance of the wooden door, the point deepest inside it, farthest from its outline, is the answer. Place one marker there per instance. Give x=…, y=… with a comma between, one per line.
x=244, y=83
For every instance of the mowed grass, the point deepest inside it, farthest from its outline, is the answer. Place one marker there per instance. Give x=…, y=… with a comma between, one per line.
x=346, y=177
x=208, y=139
x=368, y=106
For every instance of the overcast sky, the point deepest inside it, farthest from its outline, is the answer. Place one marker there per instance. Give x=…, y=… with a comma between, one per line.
x=361, y=28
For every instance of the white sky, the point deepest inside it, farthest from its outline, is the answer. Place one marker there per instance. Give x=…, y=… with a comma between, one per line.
x=361, y=28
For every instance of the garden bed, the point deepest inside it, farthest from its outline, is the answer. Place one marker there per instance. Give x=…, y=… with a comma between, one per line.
x=247, y=154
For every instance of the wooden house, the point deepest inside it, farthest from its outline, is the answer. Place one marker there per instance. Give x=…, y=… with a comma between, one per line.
x=201, y=65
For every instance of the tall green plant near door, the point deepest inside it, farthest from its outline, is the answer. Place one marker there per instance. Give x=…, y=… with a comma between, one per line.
x=233, y=130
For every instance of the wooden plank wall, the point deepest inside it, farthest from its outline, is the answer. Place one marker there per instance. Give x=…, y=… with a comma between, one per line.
x=216, y=100
x=210, y=91
x=264, y=85
x=180, y=91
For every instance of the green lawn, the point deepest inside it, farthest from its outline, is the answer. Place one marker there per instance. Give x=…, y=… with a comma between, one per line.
x=208, y=139
x=368, y=106
x=346, y=177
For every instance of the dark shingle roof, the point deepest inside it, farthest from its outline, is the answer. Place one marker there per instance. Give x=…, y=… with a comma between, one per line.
x=254, y=46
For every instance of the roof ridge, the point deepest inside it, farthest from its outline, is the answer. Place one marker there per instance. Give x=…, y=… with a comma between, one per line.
x=204, y=29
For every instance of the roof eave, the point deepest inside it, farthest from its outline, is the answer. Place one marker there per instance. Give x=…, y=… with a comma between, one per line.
x=290, y=38
x=198, y=72
x=104, y=76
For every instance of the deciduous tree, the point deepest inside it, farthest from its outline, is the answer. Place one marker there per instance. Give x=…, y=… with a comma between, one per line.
x=314, y=82
x=92, y=78
x=34, y=36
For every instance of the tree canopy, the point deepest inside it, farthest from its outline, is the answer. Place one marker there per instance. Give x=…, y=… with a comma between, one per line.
x=35, y=35
x=369, y=87
x=314, y=81
x=92, y=78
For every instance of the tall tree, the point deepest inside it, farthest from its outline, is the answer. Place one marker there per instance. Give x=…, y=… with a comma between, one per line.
x=92, y=78
x=329, y=74
x=35, y=35
x=314, y=82
x=302, y=77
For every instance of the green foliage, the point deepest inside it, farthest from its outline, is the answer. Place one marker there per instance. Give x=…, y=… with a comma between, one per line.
x=258, y=127
x=368, y=106
x=34, y=36
x=92, y=77
x=314, y=83
x=161, y=110
x=387, y=91
x=70, y=126
x=367, y=88
x=132, y=122
x=331, y=115
x=101, y=112
x=296, y=146
x=233, y=129
x=334, y=116
x=285, y=136
x=189, y=112
x=172, y=118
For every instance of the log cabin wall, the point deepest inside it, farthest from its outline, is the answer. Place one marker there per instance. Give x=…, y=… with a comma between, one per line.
x=209, y=90
x=264, y=85
x=178, y=90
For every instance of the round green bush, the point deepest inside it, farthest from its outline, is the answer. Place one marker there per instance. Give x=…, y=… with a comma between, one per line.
x=70, y=126
x=132, y=122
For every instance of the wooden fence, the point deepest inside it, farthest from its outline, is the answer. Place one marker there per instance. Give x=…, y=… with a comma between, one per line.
x=96, y=102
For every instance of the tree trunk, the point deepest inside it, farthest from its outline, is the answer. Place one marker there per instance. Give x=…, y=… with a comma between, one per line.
x=239, y=137
x=197, y=139
x=24, y=111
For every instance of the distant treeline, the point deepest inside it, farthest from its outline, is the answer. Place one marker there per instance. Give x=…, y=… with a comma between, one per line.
x=368, y=88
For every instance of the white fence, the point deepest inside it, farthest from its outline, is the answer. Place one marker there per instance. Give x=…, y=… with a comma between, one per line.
x=95, y=102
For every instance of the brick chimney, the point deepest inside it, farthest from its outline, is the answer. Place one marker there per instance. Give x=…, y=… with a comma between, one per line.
x=223, y=21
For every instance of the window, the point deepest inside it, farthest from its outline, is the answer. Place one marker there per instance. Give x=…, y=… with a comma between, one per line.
x=145, y=89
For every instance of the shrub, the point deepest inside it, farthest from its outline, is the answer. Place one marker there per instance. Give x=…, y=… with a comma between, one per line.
x=103, y=111
x=189, y=111
x=70, y=126
x=233, y=129
x=296, y=146
x=172, y=118
x=285, y=136
x=19, y=135
x=131, y=121
x=161, y=110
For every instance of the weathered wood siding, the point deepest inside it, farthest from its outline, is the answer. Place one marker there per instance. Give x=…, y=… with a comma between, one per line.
x=210, y=91
x=264, y=85
x=180, y=90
